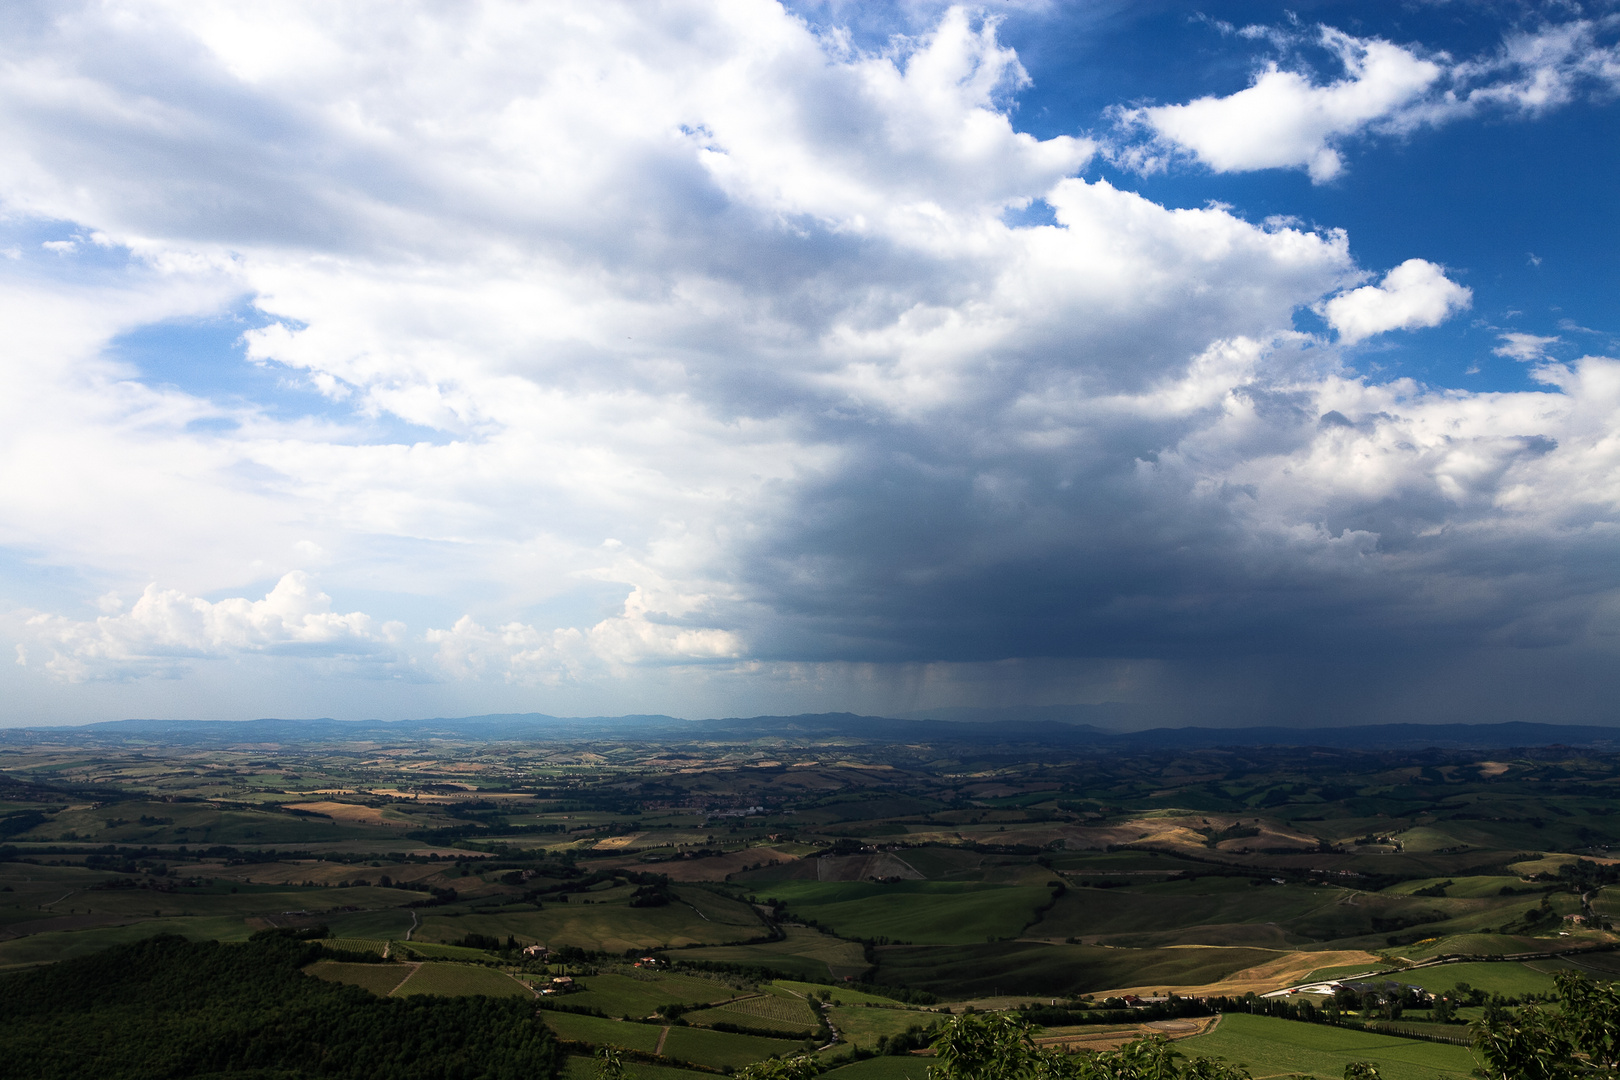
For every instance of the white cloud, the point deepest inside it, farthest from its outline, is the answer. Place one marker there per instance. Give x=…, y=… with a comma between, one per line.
x=1415, y=294
x=1283, y=120
x=658, y=625
x=165, y=627
x=1525, y=348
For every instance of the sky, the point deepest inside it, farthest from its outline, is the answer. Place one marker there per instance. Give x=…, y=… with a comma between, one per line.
x=1236, y=363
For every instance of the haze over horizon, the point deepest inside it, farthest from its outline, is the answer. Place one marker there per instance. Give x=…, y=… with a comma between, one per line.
x=1252, y=364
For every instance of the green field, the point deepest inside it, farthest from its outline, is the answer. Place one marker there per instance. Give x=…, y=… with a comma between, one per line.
x=1019, y=968
x=608, y=927
x=584, y=1068
x=1461, y=887
x=920, y=912
x=1344, y=971
x=896, y=1067
x=1162, y=908
x=435, y=951
x=460, y=980
x=64, y=944
x=864, y=1026
x=1508, y=979
x=713, y=1049
x=802, y=952
x=1270, y=1047
x=642, y=995
x=1601, y=965
x=380, y=979
x=1479, y=945
x=840, y=995
x=390, y=924
x=602, y=1032
x=722, y=1049
x=722, y=909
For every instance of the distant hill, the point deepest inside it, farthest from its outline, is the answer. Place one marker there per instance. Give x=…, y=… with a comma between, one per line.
x=504, y=727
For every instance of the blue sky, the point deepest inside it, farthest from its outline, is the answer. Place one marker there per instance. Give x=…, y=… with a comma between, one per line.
x=1239, y=363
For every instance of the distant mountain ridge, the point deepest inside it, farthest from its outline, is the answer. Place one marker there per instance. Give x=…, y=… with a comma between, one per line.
x=501, y=727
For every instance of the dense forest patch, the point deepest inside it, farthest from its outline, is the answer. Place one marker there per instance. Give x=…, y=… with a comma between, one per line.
x=172, y=1008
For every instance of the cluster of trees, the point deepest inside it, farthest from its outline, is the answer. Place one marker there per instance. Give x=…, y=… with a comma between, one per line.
x=172, y=1008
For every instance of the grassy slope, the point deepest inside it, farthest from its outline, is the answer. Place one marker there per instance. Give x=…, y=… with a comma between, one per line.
x=584, y=1068
x=718, y=1049
x=460, y=980
x=1505, y=978
x=601, y=1032
x=863, y=1026
x=1173, y=905
x=1271, y=1047
x=63, y=945
x=380, y=979
x=840, y=995
x=922, y=912
x=608, y=927
x=622, y=995
x=804, y=952
x=715, y=1049
x=900, y=1067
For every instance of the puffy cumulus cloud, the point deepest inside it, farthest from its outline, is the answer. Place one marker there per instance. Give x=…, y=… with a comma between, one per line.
x=659, y=624
x=1283, y=120
x=637, y=346
x=1286, y=119
x=1415, y=294
x=164, y=628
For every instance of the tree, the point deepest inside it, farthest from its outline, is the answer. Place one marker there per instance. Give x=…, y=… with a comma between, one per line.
x=610, y=1064
x=1526, y=1046
x=1361, y=1070
x=1442, y=1010
x=979, y=1046
x=794, y=1068
x=1590, y=1018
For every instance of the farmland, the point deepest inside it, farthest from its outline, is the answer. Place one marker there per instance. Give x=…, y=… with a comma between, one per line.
x=624, y=995
x=1270, y=1047
x=380, y=979
x=772, y=1010
x=459, y=980
x=697, y=896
